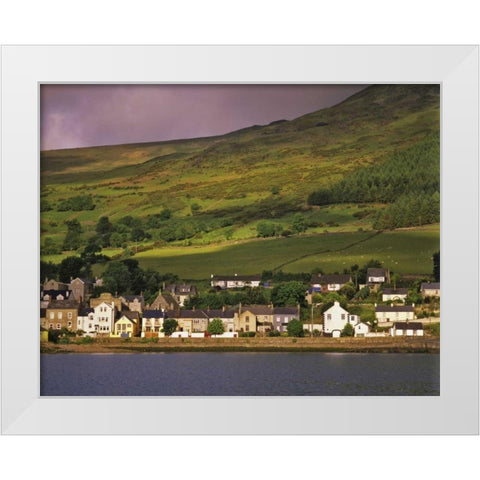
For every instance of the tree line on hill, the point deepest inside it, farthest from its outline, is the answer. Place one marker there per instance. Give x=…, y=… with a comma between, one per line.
x=409, y=181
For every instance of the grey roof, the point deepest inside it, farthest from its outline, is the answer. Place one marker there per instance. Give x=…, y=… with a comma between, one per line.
x=182, y=289
x=258, y=309
x=332, y=278
x=395, y=291
x=134, y=316
x=192, y=314
x=430, y=286
x=131, y=298
x=152, y=314
x=220, y=313
x=83, y=312
x=64, y=304
x=408, y=325
x=56, y=292
x=395, y=308
x=285, y=311
x=377, y=272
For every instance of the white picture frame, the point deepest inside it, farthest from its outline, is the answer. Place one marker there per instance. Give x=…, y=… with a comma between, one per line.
x=24, y=68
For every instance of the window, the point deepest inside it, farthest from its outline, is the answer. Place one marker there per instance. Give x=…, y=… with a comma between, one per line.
x=329, y=316
x=247, y=328
x=52, y=315
x=50, y=325
x=59, y=326
x=60, y=315
x=343, y=316
x=69, y=324
x=69, y=315
x=247, y=319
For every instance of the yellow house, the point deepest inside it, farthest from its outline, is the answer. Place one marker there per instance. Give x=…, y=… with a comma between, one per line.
x=128, y=325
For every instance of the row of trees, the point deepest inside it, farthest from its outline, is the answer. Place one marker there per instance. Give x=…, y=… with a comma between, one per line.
x=408, y=211
x=412, y=172
x=266, y=228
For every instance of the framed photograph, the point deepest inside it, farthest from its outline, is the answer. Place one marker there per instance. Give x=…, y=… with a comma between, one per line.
x=57, y=100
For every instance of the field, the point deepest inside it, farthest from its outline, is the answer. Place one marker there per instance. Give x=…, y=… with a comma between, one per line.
x=331, y=252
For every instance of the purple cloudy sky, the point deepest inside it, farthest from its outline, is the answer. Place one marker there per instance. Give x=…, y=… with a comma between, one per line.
x=86, y=115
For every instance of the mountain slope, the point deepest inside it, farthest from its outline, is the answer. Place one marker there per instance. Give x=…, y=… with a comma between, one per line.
x=254, y=173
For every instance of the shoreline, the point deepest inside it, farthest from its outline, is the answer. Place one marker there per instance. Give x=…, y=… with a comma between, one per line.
x=262, y=344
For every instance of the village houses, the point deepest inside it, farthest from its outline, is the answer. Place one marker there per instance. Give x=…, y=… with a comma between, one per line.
x=234, y=281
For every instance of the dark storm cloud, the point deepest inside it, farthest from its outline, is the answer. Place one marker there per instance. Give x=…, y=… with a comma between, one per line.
x=86, y=115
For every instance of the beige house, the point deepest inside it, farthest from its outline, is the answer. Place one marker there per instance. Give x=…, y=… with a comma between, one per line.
x=181, y=293
x=191, y=320
x=164, y=301
x=135, y=303
x=254, y=317
x=52, y=284
x=62, y=314
x=81, y=289
x=107, y=298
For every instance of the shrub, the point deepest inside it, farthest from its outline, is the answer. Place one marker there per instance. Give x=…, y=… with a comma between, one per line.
x=273, y=333
x=86, y=340
x=316, y=333
x=295, y=328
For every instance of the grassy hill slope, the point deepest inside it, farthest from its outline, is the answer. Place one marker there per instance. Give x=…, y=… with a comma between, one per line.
x=219, y=188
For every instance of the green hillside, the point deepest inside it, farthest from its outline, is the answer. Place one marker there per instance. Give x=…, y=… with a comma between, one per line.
x=217, y=189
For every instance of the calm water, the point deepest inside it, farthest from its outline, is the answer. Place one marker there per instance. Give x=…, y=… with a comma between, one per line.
x=224, y=374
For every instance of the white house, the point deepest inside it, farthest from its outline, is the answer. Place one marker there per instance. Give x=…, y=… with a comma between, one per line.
x=335, y=319
x=104, y=316
x=329, y=283
x=407, y=329
x=86, y=321
x=361, y=329
x=152, y=323
x=430, y=289
x=390, y=294
x=234, y=281
x=378, y=275
x=394, y=313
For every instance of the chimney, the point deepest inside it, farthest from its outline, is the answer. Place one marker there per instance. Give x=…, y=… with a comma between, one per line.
x=223, y=308
x=240, y=308
x=194, y=308
x=164, y=285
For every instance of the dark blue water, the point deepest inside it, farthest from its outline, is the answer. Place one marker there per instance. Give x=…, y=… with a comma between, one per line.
x=242, y=374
